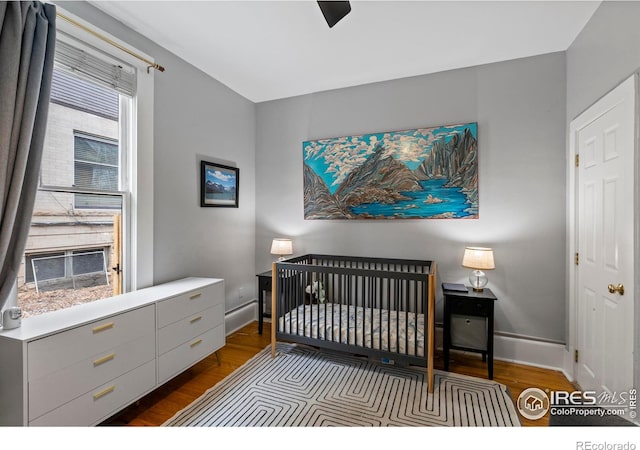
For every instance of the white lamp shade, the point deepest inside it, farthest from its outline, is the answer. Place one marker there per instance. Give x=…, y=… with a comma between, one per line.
x=281, y=247
x=480, y=258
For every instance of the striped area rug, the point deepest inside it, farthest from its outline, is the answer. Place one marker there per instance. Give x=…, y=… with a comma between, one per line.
x=306, y=387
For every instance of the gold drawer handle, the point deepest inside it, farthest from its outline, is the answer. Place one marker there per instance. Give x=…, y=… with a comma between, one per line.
x=194, y=296
x=104, y=359
x=106, y=326
x=193, y=344
x=103, y=393
x=195, y=319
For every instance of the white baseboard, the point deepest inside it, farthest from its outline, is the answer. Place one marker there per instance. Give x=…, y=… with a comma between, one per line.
x=568, y=365
x=526, y=351
x=531, y=352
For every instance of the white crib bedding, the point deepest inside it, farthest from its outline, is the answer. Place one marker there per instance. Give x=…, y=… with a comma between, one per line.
x=382, y=329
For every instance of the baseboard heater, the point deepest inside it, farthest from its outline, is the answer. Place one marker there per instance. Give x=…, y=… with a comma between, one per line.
x=240, y=316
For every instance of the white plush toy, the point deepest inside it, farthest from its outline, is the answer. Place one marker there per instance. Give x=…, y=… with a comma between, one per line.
x=316, y=289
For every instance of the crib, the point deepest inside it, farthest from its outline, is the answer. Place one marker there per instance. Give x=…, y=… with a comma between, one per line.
x=375, y=307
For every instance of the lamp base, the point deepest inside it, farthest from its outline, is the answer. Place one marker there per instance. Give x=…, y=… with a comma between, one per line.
x=478, y=280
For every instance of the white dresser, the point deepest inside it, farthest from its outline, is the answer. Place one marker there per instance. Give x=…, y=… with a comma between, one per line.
x=81, y=365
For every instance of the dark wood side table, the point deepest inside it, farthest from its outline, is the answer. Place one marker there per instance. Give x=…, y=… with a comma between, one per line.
x=264, y=284
x=468, y=323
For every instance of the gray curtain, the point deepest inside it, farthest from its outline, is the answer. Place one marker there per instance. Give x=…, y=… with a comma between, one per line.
x=27, y=44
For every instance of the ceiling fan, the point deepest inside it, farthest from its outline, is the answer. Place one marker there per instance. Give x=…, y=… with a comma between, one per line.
x=334, y=11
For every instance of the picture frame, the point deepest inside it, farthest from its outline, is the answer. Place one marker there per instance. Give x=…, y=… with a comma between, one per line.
x=219, y=185
x=422, y=173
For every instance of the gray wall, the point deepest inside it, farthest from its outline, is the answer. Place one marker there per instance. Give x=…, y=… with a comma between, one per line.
x=520, y=109
x=195, y=117
x=605, y=53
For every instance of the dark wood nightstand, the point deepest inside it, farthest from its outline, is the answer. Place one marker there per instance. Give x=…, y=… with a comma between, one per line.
x=264, y=284
x=468, y=323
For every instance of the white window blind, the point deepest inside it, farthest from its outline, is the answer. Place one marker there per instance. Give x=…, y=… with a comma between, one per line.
x=115, y=76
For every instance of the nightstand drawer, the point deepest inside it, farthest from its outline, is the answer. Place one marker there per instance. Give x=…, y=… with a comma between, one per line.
x=266, y=283
x=469, y=332
x=472, y=307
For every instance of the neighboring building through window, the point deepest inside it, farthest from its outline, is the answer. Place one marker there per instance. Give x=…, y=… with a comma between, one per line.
x=96, y=166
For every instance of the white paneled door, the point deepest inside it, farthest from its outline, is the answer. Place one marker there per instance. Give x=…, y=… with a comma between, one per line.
x=604, y=137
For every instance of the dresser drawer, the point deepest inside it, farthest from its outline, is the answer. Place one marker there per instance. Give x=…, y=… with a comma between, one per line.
x=53, y=353
x=103, y=401
x=177, y=333
x=184, y=356
x=190, y=303
x=49, y=392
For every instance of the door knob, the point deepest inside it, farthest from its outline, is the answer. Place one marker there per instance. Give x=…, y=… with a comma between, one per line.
x=619, y=288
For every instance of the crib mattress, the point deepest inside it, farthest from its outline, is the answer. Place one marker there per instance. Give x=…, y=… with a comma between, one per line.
x=398, y=332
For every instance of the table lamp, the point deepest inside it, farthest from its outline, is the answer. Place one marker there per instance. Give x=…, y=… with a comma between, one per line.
x=478, y=259
x=281, y=247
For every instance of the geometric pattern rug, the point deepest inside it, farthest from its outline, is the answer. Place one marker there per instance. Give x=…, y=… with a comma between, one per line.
x=306, y=387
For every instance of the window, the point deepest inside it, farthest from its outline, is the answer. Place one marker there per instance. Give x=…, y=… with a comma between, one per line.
x=55, y=269
x=113, y=106
x=82, y=200
x=59, y=269
x=87, y=262
x=96, y=166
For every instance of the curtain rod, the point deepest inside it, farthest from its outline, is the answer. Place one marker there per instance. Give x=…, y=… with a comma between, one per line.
x=153, y=65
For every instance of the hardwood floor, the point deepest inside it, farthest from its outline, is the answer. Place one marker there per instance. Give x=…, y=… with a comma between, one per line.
x=164, y=402
x=517, y=377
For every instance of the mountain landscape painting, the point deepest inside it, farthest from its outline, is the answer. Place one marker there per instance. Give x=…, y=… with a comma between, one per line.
x=218, y=185
x=426, y=173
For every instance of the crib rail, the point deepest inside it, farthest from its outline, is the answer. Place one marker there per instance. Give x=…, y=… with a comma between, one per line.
x=376, y=307
x=359, y=262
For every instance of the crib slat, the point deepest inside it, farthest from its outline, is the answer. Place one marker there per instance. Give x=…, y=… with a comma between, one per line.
x=373, y=304
x=364, y=315
x=303, y=291
x=397, y=309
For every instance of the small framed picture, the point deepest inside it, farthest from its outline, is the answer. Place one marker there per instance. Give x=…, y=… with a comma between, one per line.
x=219, y=185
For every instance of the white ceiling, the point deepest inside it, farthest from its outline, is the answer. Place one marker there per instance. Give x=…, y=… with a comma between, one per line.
x=267, y=50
